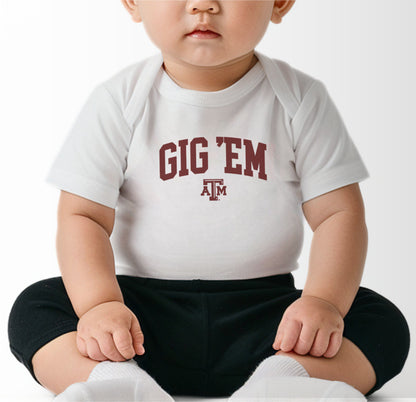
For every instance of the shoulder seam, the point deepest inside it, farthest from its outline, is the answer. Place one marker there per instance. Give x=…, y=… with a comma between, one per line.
x=310, y=88
x=118, y=107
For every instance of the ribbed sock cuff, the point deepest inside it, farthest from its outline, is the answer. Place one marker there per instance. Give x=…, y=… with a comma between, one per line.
x=109, y=370
x=282, y=366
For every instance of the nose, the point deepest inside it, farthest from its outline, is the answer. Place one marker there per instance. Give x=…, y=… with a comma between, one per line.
x=197, y=6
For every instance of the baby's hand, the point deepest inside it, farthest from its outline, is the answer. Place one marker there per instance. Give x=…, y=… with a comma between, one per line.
x=310, y=325
x=109, y=331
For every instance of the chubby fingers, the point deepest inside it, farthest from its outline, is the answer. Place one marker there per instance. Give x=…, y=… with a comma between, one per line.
x=287, y=334
x=326, y=343
x=110, y=349
x=137, y=336
x=123, y=342
x=320, y=344
x=81, y=345
x=304, y=339
x=101, y=348
x=334, y=344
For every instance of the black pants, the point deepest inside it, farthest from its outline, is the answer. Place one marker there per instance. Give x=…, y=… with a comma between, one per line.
x=205, y=337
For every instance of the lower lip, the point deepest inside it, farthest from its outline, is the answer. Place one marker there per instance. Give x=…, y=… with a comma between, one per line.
x=204, y=35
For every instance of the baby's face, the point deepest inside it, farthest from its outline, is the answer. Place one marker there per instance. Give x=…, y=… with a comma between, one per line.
x=239, y=25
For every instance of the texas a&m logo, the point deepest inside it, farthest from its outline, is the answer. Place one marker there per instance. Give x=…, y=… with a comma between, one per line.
x=173, y=161
x=213, y=188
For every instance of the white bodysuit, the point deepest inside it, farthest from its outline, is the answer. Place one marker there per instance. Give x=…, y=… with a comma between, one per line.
x=207, y=185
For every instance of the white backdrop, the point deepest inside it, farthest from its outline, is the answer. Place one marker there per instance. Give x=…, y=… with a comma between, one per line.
x=54, y=52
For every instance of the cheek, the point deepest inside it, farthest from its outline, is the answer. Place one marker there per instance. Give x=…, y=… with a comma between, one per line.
x=157, y=22
x=252, y=23
x=249, y=35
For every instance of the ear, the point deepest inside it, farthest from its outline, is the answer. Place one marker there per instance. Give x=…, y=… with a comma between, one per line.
x=133, y=8
x=280, y=9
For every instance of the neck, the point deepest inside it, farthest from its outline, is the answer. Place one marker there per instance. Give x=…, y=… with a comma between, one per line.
x=211, y=78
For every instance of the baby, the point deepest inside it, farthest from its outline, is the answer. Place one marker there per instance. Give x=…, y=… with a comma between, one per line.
x=184, y=183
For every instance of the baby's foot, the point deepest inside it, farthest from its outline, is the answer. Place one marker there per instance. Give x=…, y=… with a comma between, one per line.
x=308, y=389
x=120, y=390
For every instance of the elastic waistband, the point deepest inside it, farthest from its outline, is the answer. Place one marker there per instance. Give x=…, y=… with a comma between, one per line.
x=195, y=285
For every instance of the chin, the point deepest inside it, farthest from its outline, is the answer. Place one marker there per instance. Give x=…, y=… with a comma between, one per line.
x=200, y=58
x=208, y=61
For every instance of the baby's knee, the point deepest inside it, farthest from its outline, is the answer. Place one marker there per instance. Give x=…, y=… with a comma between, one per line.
x=381, y=331
x=391, y=319
x=397, y=325
x=33, y=297
x=40, y=312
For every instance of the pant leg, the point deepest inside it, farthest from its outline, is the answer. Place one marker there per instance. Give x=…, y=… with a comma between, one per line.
x=41, y=313
x=172, y=318
x=244, y=325
x=170, y=314
x=380, y=330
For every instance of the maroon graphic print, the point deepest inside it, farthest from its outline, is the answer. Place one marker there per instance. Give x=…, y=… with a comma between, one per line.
x=216, y=189
x=253, y=159
x=172, y=155
x=172, y=161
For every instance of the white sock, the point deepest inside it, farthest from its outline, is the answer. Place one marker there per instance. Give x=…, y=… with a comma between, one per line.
x=279, y=366
x=115, y=381
x=109, y=370
x=278, y=378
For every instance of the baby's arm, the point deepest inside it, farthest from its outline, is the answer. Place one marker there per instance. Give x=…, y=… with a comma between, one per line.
x=107, y=329
x=84, y=252
x=336, y=264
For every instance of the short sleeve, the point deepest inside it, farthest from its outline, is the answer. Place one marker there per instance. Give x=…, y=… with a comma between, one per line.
x=93, y=158
x=326, y=157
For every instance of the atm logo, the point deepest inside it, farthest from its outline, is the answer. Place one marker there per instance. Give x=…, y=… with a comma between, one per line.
x=213, y=188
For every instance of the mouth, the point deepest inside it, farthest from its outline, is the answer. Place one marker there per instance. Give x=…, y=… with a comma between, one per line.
x=203, y=34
